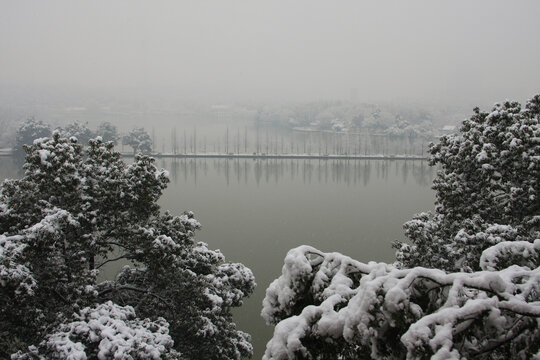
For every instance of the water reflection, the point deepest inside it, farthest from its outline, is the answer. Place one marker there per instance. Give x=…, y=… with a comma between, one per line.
x=265, y=171
x=255, y=210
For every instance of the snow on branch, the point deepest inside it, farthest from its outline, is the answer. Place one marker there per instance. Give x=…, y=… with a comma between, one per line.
x=106, y=331
x=13, y=274
x=506, y=252
x=328, y=303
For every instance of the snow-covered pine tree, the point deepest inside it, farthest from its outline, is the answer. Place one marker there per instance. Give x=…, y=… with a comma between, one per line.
x=75, y=211
x=79, y=130
x=108, y=132
x=468, y=284
x=28, y=131
x=487, y=190
x=329, y=306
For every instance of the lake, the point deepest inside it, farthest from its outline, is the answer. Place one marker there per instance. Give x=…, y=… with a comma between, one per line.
x=256, y=210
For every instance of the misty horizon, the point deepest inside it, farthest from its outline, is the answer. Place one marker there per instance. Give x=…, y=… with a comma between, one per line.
x=457, y=53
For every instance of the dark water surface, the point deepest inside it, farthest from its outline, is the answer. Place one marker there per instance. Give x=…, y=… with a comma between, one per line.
x=256, y=210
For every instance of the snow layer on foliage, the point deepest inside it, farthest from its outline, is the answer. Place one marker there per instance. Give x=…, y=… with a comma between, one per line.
x=44, y=155
x=280, y=293
x=41, y=139
x=164, y=242
x=81, y=209
x=51, y=223
x=11, y=271
x=361, y=304
x=488, y=174
x=162, y=173
x=229, y=283
x=188, y=219
x=299, y=265
x=116, y=332
x=524, y=249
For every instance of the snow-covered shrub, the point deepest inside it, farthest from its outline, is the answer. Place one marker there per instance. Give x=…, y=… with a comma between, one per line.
x=327, y=305
x=106, y=331
x=72, y=213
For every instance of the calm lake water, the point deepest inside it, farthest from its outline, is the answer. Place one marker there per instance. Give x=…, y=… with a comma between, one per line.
x=256, y=210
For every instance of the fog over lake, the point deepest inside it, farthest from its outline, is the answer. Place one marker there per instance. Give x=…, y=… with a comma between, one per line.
x=281, y=123
x=447, y=52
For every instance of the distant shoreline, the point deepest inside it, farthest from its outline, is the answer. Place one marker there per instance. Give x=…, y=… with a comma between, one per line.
x=8, y=153
x=289, y=156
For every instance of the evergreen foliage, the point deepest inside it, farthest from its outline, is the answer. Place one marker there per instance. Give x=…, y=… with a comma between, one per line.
x=108, y=132
x=139, y=140
x=487, y=190
x=73, y=213
x=79, y=130
x=466, y=286
x=329, y=306
x=111, y=332
x=29, y=130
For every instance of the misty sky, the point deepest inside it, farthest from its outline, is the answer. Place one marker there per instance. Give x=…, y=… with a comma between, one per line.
x=442, y=51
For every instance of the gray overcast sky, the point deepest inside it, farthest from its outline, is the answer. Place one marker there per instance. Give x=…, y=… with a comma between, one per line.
x=443, y=51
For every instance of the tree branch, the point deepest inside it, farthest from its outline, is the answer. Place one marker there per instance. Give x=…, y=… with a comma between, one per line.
x=113, y=243
x=511, y=335
x=128, y=256
x=133, y=288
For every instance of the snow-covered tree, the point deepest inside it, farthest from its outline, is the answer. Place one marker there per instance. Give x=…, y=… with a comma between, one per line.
x=17, y=285
x=79, y=130
x=76, y=211
x=466, y=286
x=106, y=331
x=487, y=189
x=402, y=128
x=30, y=130
x=139, y=140
x=329, y=306
x=108, y=132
